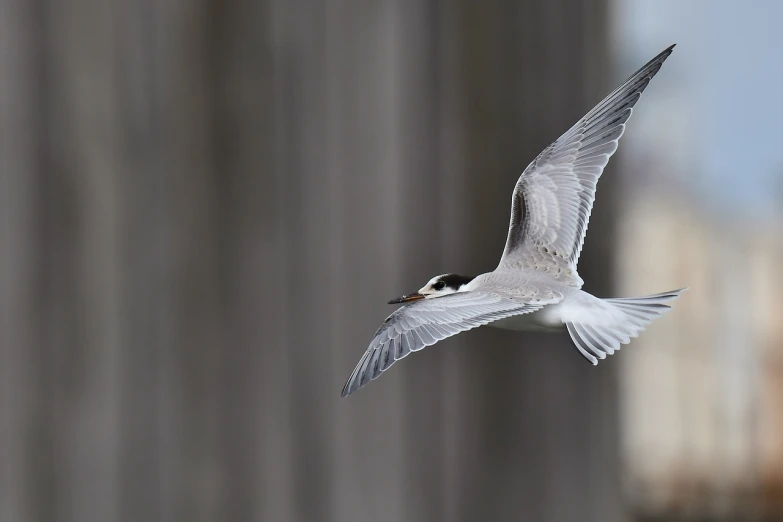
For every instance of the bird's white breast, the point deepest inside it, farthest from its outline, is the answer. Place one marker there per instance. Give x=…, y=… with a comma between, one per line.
x=547, y=319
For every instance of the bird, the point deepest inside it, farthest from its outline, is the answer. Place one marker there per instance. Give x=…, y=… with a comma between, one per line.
x=536, y=285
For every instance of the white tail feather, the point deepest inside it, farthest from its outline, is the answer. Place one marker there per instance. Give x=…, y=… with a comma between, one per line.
x=596, y=342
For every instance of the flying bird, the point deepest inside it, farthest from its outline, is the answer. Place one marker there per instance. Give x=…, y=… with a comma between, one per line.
x=536, y=285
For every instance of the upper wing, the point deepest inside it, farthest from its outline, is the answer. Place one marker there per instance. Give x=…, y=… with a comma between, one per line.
x=425, y=322
x=552, y=200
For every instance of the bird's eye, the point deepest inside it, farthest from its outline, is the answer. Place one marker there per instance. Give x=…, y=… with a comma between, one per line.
x=440, y=285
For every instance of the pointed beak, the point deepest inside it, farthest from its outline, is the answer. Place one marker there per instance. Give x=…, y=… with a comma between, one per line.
x=407, y=298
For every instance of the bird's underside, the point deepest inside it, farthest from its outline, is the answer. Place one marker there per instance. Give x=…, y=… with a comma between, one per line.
x=536, y=283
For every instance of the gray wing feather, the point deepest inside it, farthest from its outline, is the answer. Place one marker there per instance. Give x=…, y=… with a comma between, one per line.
x=553, y=197
x=423, y=323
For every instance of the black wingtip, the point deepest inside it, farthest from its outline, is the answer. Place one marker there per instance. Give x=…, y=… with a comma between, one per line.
x=665, y=53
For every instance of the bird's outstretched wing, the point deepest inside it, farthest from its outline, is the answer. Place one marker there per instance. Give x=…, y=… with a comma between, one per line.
x=425, y=322
x=553, y=198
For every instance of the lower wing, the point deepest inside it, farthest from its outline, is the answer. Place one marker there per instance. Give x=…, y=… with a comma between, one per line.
x=425, y=322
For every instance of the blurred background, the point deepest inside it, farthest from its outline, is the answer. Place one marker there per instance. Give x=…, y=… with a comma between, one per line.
x=204, y=206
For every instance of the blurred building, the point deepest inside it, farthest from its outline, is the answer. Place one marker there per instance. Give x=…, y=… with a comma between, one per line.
x=702, y=392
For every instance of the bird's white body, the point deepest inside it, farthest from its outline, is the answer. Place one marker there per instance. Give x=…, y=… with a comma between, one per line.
x=547, y=319
x=576, y=306
x=536, y=285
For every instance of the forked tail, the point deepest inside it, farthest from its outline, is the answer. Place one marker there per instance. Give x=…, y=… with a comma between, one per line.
x=596, y=341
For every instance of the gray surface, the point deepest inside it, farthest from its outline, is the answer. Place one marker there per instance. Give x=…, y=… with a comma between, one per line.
x=205, y=206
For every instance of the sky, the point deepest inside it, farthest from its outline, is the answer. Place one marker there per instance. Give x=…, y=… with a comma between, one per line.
x=717, y=107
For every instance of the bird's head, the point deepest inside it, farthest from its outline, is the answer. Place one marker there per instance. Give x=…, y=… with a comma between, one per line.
x=436, y=287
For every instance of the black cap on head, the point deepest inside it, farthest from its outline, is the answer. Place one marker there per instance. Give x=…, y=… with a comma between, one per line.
x=455, y=281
